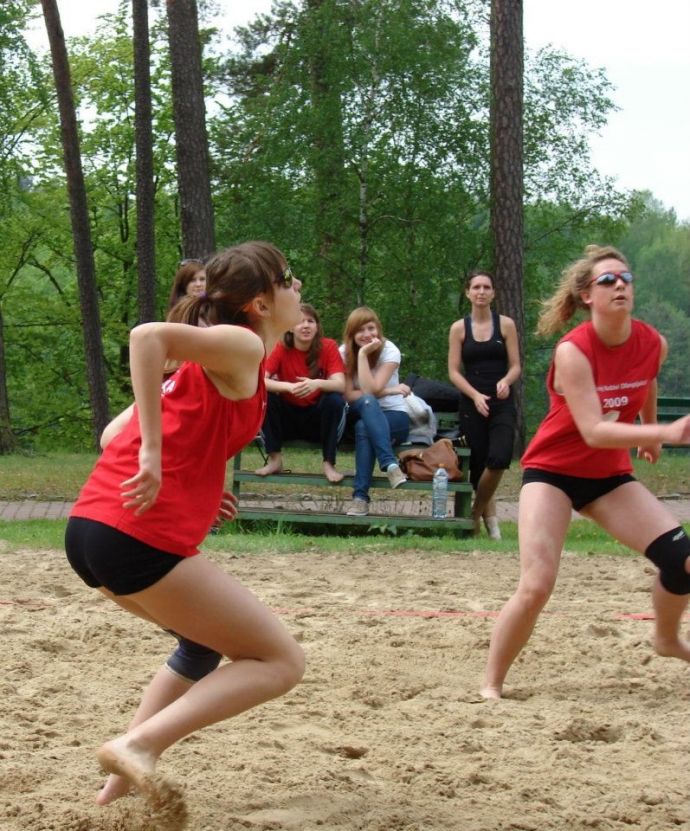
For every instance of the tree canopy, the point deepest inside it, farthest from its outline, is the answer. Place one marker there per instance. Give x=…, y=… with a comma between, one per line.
x=353, y=135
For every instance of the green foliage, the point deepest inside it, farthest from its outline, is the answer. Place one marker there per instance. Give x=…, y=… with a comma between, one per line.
x=353, y=135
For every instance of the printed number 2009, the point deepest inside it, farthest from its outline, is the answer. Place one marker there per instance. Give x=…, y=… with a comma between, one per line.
x=616, y=402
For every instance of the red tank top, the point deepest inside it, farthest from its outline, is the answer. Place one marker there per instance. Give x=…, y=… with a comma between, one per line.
x=622, y=375
x=201, y=431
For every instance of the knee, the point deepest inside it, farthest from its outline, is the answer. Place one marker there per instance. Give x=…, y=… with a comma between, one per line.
x=670, y=553
x=534, y=592
x=289, y=669
x=333, y=401
x=192, y=661
x=367, y=400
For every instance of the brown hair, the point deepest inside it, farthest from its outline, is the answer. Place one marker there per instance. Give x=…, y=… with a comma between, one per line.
x=358, y=318
x=183, y=277
x=314, y=351
x=558, y=309
x=479, y=273
x=234, y=277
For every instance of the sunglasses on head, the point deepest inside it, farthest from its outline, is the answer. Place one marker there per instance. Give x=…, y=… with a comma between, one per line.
x=191, y=260
x=609, y=278
x=285, y=278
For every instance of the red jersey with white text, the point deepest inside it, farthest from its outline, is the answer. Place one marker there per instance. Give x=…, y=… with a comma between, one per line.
x=623, y=376
x=201, y=431
x=285, y=364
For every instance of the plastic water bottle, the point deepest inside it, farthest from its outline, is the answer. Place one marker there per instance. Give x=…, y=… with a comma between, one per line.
x=439, y=494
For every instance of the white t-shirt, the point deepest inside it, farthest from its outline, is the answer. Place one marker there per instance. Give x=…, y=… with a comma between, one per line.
x=389, y=355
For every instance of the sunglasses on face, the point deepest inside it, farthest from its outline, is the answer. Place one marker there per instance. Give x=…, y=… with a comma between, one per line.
x=609, y=278
x=285, y=278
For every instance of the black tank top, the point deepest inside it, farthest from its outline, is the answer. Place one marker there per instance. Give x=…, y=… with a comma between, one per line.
x=484, y=362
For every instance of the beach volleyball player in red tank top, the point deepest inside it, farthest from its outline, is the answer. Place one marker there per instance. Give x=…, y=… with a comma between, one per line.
x=156, y=490
x=602, y=377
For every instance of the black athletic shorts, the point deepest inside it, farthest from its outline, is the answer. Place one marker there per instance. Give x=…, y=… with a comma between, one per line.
x=104, y=556
x=581, y=490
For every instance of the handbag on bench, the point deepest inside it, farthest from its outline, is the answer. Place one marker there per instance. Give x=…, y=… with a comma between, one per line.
x=421, y=463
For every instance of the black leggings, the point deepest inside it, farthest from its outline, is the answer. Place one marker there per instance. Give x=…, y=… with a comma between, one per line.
x=490, y=438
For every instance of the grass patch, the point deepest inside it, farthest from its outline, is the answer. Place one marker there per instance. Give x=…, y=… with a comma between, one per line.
x=584, y=538
x=59, y=476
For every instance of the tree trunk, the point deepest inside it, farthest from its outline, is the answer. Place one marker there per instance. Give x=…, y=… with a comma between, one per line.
x=507, y=188
x=81, y=232
x=146, y=233
x=328, y=158
x=8, y=441
x=191, y=139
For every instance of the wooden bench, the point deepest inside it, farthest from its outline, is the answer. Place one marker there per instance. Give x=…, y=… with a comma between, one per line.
x=330, y=508
x=669, y=408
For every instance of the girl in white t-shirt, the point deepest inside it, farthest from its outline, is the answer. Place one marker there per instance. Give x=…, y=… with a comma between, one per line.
x=376, y=398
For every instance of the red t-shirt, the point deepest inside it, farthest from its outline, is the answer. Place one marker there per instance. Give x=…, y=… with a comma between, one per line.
x=288, y=365
x=623, y=375
x=201, y=431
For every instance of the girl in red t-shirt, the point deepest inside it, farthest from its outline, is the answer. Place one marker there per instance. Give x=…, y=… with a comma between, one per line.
x=603, y=376
x=305, y=379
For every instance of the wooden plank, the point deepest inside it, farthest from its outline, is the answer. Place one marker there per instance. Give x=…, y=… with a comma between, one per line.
x=457, y=525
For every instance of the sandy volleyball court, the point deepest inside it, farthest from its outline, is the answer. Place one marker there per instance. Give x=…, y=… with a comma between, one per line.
x=386, y=733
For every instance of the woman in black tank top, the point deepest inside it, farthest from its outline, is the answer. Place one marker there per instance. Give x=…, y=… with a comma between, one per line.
x=483, y=363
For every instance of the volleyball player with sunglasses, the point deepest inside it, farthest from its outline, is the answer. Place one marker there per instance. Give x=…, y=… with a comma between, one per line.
x=602, y=377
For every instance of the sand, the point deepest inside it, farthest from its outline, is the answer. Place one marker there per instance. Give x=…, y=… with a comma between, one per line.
x=386, y=732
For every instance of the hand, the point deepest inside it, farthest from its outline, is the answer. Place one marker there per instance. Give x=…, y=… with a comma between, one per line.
x=481, y=402
x=370, y=347
x=502, y=390
x=678, y=431
x=304, y=387
x=140, y=492
x=228, y=508
x=404, y=390
x=650, y=453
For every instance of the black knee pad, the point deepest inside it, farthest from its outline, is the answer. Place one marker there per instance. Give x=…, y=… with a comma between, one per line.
x=669, y=553
x=192, y=661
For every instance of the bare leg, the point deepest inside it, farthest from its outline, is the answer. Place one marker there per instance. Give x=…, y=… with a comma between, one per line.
x=634, y=516
x=165, y=687
x=274, y=465
x=331, y=473
x=206, y=605
x=544, y=515
x=486, y=488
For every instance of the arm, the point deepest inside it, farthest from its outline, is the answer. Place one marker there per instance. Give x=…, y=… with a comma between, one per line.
x=374, y=382
x=456, y=338
x=304, y=387
x=509, y=332
x=651, y=452
x=230, y=353
x=575, y=380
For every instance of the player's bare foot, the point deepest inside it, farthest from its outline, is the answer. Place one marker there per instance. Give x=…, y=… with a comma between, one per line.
x=274, y=465
x=122, y=757
x=675, y=648
x=332, y=474
x=491, y=693
x=114, y=788
x=130, y=762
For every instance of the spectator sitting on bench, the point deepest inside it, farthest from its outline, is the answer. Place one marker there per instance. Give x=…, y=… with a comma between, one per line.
x=305, y=379
x=376, y=400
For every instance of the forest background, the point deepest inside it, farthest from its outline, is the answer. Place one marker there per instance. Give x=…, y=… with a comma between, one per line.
x=353, y=135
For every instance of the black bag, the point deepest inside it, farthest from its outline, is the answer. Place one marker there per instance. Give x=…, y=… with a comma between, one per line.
x=439, y=395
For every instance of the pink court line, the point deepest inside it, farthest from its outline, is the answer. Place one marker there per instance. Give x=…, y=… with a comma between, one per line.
x=390, y=612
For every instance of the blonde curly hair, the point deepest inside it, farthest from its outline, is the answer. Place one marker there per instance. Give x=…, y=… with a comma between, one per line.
x=557, y=310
